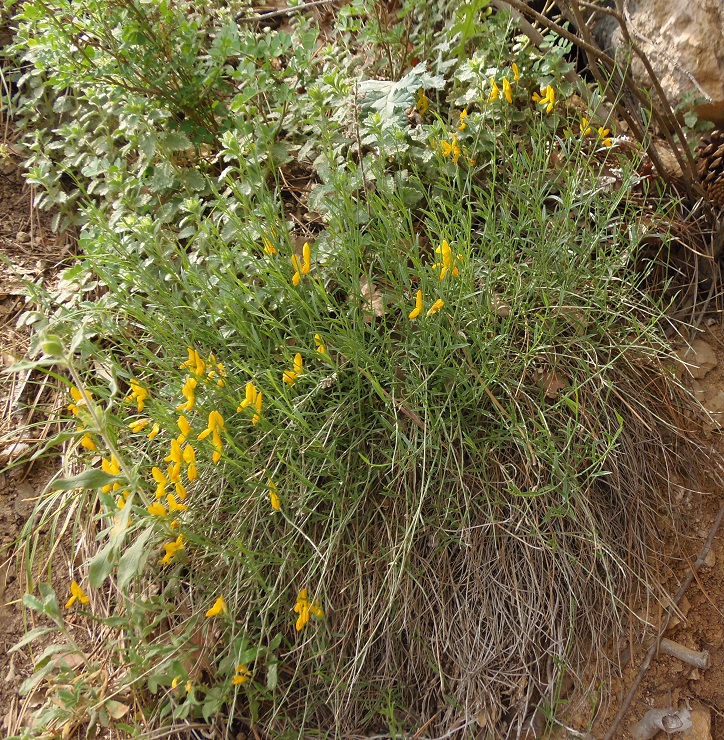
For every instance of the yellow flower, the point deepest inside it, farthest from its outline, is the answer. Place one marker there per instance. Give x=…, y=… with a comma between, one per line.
x=161, y=480
x=138, y=425
x=174, y=456
x=112, y=467
x=269, y=248
x=439, y=303
x=154, y=431
x=77, y=594
x=241, y=675
x=463, y=122
x=516, y=74
x=174, y=505
x=195, y=363
x=319, y=344
x=172, y=549
x=274, y=496
x=138, y=394
x=184, y=427
x=189, y=393
x=290, y=376
x=176, y=682
x=189, y=457
x=157, y=509
x=214, y=428
x=495, y=92
x=297, y=270
x=189, y=686
x=78, y=400
x=304, y=608
x=603, y=134
x=448, y=262
x=548, y=100
x=218, y=607
x=253, y=397
x=418, y=306
x=451, y=149
x=180, y=490
x=507, y=90
x=423, y=102
x=585, y=127
x=87, y=442
x=303, y=266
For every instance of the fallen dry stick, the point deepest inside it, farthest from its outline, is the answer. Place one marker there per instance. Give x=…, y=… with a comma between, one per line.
x=692, y=657
x=669, y=720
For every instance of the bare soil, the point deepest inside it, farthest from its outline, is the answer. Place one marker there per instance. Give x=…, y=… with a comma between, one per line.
x=28, y=252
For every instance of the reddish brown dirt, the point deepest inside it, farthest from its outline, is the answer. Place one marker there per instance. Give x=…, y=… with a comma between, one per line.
x=669, y=681
x=28, y=252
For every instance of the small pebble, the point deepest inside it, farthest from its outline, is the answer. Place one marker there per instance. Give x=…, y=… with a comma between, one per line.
x=22, y=236
x=25, y=500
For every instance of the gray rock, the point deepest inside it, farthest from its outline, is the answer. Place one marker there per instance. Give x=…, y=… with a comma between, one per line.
x=684, y=40
x=25, y=500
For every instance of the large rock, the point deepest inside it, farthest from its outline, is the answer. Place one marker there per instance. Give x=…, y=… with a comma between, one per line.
x=679, y=37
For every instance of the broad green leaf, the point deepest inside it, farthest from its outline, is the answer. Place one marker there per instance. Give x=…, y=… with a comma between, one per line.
x=91, y=478
x=30, y=636
x=101, y=565
x=272, y=675
x=134, y=559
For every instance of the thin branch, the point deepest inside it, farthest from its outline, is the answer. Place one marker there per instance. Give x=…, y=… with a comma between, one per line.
x=241, y=18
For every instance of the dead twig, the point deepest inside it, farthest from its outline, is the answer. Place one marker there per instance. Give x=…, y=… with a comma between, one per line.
x=241, y=18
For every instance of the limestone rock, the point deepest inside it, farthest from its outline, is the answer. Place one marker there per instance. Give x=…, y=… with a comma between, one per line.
x=698, y=358
x=700, y=725
x=683, y=39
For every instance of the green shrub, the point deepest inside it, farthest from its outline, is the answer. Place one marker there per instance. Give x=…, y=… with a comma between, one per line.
x=393, y=465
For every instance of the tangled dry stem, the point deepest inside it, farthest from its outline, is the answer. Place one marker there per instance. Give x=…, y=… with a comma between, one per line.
x=524, y=590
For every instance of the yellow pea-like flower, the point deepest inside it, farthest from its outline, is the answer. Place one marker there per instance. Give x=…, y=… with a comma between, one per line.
x=157, y=509
x=507, y=90
x=439, y=303
x=218, y=607
x=77, y=594
x=174, y=505
x=418, y=306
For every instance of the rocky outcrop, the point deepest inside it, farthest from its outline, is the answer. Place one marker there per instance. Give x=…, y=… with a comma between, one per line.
x=684, y=40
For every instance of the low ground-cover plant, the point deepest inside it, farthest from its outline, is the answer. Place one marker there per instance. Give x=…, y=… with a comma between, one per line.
x=399, y=468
